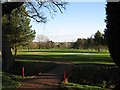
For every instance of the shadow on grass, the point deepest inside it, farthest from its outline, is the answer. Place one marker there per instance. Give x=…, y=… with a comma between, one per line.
x=38, y=63
x=32, y=68
x=70, y=58
x=105, y=76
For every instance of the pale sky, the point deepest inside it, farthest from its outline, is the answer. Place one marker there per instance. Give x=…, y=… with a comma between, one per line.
x=79, y=20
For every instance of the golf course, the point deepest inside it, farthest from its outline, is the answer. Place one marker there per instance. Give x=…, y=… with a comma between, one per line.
x=61, y=45
x=84, y=69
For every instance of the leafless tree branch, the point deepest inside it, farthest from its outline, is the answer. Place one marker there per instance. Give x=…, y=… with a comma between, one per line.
x=36, y=9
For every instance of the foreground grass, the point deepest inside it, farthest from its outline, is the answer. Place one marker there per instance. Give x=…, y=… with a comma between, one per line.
x=105, y=76
x=80, y=87
x=10, y=80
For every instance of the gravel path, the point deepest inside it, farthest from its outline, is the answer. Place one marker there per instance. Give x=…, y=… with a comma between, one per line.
x=50, y=79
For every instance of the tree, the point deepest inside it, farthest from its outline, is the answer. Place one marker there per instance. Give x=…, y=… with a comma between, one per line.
x=49, y=44
x=32, y=45
x=98, y=37
x=90, y=43
x=20, y=33
x=112, y=31
x=42, y=39
x=7, y=7
x=80, y=43
x=93, y=42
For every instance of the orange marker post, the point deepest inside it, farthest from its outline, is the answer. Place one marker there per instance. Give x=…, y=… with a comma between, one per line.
x=65, y=79
x=23, y=72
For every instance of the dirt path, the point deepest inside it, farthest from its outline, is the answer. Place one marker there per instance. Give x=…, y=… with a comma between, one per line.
x=50, y=79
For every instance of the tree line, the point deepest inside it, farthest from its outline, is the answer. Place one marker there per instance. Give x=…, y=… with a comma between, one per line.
x=97, y=42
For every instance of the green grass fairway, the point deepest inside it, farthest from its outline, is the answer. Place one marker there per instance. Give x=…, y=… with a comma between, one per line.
x=73, y=56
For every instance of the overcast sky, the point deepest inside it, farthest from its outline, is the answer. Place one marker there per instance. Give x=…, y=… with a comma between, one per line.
x=80, y=20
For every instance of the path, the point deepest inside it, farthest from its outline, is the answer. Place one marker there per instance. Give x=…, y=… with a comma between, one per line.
x=50, y=79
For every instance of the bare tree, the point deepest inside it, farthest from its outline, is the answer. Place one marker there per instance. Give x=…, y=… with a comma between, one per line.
x=42, y=39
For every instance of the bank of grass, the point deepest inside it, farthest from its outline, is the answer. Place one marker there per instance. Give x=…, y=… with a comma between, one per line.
x=105, y=76
x=73, y=86
x=10, y=80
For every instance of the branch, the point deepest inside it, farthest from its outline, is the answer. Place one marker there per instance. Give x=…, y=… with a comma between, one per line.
x=37, y=15
x=58, y=7
x=34, y=10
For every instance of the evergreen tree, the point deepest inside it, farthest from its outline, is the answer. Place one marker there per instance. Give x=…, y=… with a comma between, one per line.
x=98, y=38
x=90, y=43
x=112, y=32
x=20, y=32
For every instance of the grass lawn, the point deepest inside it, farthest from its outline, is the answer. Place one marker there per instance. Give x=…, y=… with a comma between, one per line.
x=88, y=67
x=72, y=55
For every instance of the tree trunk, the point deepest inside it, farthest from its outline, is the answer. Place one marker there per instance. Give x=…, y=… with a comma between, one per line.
x=98, y=49
x=15, y=50
x=7, y=57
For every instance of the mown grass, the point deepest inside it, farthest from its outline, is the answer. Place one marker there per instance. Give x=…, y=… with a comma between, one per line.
x=62, y=51
x=73, y=56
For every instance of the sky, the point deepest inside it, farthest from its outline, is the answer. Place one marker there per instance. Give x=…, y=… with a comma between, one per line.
x=79, y=20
